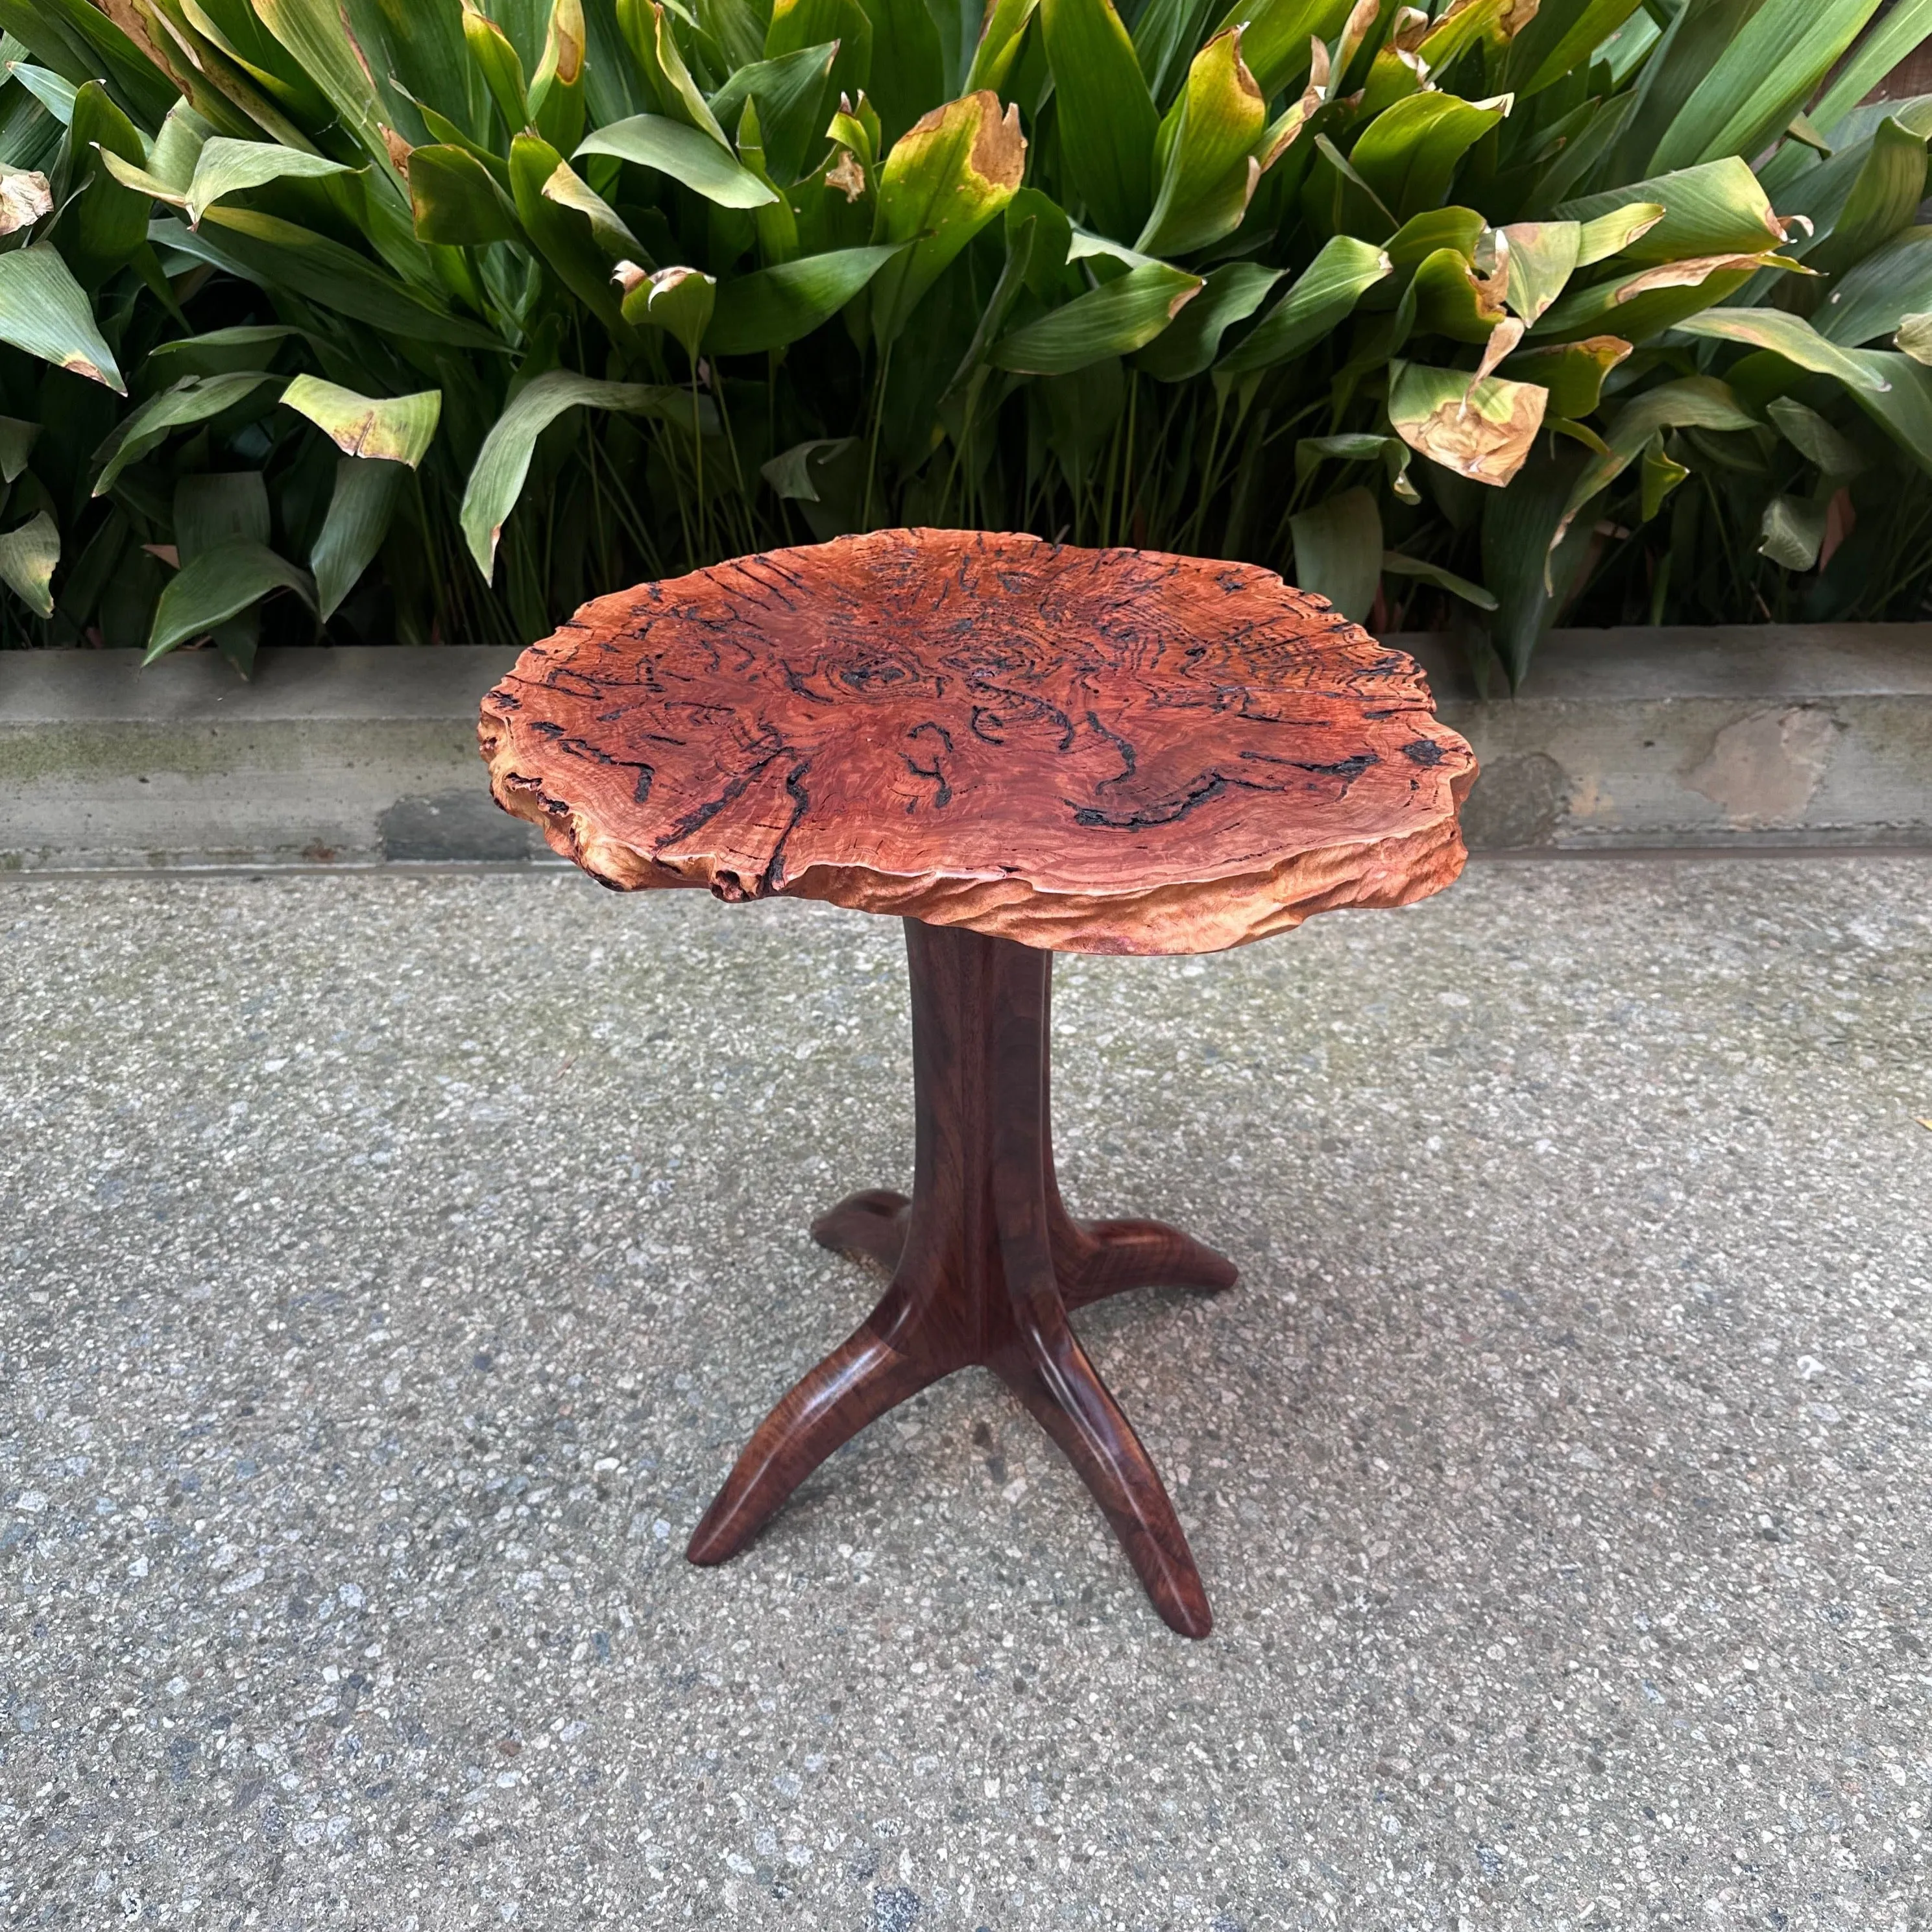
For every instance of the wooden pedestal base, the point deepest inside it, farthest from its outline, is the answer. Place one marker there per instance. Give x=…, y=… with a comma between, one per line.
x=986, y=1262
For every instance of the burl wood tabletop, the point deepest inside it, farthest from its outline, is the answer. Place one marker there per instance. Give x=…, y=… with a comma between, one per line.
x=1084, y=750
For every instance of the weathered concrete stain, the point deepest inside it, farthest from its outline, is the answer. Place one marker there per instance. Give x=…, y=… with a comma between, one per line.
x=1764, y=770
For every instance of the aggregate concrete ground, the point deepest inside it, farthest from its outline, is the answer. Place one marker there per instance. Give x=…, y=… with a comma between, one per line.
x=392, y=1265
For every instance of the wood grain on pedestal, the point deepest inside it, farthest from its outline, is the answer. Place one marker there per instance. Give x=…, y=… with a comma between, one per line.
x=1083, y=750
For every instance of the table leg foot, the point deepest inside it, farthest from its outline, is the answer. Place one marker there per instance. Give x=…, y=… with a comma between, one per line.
x=854, y=1385
x=1050, y=1372
x=1121, y=1255
x=870, y=1226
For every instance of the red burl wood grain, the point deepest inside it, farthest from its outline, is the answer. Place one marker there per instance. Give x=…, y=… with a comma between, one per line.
x=1085, y=750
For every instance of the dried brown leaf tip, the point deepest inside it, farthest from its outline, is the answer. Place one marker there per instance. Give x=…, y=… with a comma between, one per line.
x=999, y=148
x=25, y=196
x=847, y=175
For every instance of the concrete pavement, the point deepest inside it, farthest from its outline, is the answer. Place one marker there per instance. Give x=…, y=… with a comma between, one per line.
x=390, y=1265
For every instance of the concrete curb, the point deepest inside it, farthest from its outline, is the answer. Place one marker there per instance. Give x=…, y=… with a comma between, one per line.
x=1755, y=738
x=1769, y=736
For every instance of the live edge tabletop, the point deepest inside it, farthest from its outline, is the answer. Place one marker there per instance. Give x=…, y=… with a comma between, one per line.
x=1020, y=748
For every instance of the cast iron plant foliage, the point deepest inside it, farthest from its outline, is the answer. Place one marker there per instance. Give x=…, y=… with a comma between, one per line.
x=529, y=303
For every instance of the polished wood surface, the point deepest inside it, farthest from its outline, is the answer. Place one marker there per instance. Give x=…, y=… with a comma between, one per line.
x=1086, y=751
x=985, y=1263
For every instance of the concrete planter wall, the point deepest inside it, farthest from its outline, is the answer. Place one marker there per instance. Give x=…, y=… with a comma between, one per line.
x=1752, y=738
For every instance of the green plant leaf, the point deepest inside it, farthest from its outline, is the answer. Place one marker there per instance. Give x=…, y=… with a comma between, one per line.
x=264, y=249
x=944, y=181
x=1903, y=409
x=1106, y=115
x=1452, y=299
x=1408, y=154
x=1792, y=531
x=79, y=41
x=1338, y=551
x=104, y=223
x=1188, y=346
x=684, y=154
x=177, y=147
x=1461, y=228
x=1542, y=256
x=248, y=345
x=1211, y=137
x=1395, y=564
x=1883, y=197
x=679, y=301
x=908, y=74
x=647, y=31
x=1530, y=576
x=773, y=307
x=1573, y=372
x=1004, y=26
x=504, y=461
x=1116, y=318
x=17, y=438
x=565, y=236
x=556, y=88
x=1694, y=402
x=1613, y=233
x=456, y=201
x=565, y=187
x=44, y=311
x=1480, y=428
x=194, y=399
x=1874, y=297
x=1904, y=30
x=1790, y=336
x=1718, y=208
x=789, y=93
x=796, y=24
x=360, y=508
x=1336, y=200
x=225, y=167
x=1835, y=455
x=1762, y=78
x=1326, y=290
x=220, y=584
x=213, y=507
x=28, y=555
x=789, y=473
x=1275, y=35
x=54, y=94
x=494, y=59
x=1561, y=36
x=394, y=429
x=1659, y=473
x=316, y=32
x=1914, y=337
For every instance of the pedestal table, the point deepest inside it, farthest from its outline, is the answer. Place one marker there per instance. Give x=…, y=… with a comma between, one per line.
x=1020, y=748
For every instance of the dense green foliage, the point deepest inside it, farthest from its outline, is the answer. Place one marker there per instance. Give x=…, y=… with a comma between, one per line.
x=428, y=321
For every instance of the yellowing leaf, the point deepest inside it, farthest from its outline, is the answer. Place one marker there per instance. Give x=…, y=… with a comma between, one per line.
x=946, y=178
x=1210, y=138
x=28, y=555
x=395, y=429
